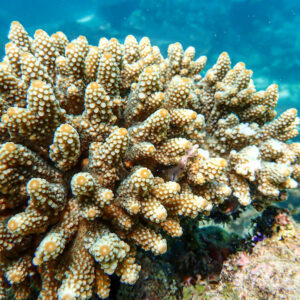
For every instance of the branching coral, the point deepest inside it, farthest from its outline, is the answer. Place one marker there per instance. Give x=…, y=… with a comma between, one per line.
x=105, y=148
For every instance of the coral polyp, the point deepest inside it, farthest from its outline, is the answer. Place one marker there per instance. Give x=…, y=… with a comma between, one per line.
x=104, y=149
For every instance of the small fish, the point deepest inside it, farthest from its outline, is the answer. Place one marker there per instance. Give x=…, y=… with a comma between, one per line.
x=86, y=19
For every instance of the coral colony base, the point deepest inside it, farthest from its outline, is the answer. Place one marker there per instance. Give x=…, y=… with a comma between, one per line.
x=105, y=148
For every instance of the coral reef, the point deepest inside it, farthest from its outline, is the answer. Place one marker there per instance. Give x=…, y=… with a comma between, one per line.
x=157, y=280
x=209, y=262
x=199, y=253
x=105, y=149
x=270, y=271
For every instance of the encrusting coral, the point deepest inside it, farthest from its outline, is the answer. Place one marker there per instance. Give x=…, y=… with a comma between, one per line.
x=105, y=148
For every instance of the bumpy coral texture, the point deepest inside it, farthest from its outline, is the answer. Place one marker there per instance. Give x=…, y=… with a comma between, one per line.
x=105, y=148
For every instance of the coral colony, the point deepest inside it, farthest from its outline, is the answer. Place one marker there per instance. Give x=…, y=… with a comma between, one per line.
x=105, y=148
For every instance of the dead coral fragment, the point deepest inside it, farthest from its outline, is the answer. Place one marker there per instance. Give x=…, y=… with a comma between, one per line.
x=105, y=148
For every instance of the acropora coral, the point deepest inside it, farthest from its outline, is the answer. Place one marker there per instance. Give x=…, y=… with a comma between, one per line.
x=105, y=148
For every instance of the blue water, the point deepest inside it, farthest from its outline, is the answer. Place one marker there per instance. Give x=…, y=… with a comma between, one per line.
x=264, y=34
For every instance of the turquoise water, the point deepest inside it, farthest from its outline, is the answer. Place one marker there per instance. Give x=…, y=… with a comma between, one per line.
x=262, y=33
